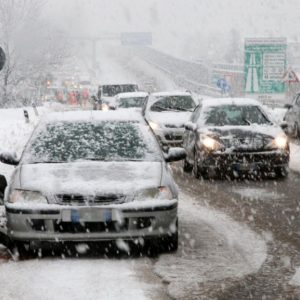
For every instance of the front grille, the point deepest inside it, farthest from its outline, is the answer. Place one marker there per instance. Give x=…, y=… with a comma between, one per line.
x=77, y=199
x=247, y=144
x=90, y=227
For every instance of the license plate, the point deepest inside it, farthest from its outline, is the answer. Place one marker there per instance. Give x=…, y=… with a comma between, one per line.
x=107, y=215
x=75, y=216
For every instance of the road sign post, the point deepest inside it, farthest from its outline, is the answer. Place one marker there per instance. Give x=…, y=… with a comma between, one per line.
x=265, y=64
x=2, y=58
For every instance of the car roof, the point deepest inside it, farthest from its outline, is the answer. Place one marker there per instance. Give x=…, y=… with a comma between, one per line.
x=133, y=94
x=129, y=115
x=212, y=102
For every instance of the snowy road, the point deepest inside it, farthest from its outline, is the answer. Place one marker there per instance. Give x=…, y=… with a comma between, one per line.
x=212, y=248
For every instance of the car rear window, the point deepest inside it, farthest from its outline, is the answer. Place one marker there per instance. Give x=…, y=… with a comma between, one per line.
x=111, y=141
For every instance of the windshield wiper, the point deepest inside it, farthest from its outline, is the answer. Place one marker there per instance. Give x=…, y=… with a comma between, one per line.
x=247, y=121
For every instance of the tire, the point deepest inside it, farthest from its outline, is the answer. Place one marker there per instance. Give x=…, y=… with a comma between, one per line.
x=198, y=171
x=296, y=131
x=187, y=167
x=168, y=243
x=281, y=172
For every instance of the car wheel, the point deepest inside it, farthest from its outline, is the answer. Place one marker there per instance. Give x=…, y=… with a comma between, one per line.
x=199, y=171
x=281, y=172
x=187, y=167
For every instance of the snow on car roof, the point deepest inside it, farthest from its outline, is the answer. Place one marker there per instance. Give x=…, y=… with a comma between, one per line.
x=171, y=93
x=229, y=101
x=131, y=95
x=92, y=116
x=117, y=83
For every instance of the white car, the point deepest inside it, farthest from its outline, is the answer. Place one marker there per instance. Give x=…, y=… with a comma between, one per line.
x=166, y=113
x=92, y=176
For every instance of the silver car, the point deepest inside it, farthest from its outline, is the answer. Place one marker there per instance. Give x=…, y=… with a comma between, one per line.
x=92, y=176
x=166, y=113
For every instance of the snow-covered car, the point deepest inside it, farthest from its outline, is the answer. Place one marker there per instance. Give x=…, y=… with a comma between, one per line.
x=166, y=113
x=131, y=100
x=92, y=176
x=234, y=136
x=292, y=117
x=107, y=92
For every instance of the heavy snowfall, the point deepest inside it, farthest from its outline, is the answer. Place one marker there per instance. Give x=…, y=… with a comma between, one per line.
x=149, y=149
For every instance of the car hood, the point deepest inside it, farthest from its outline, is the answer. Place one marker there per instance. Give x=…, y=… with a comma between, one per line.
x=174, y=119
x=89, y=177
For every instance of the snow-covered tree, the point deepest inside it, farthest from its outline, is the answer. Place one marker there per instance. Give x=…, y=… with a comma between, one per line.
x=32, y=47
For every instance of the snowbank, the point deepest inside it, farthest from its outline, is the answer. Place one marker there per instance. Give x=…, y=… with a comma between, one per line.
x=71, y=279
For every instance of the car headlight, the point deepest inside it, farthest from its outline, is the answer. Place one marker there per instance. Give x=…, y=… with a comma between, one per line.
x=154, y=125
x=280, y=141
x=209, y=143
x=105, y=107
x=22, y=196
x=162, y=192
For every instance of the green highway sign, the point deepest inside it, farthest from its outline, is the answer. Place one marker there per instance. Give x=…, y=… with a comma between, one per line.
x=265, y=65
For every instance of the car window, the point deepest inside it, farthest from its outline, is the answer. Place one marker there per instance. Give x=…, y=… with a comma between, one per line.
x=173, y=103
x=113, y=90
x=234, y=115
x=113, y=141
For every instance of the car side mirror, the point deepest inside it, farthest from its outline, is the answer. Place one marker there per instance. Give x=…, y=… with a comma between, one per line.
x=190, y=126
x=175, y=154
x=9, y=158
x=288, y=106
x=284, y=125
x=3, y=185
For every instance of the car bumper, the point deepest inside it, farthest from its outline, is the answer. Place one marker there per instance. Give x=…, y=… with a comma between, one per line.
x=78, y=224
x=247, y=161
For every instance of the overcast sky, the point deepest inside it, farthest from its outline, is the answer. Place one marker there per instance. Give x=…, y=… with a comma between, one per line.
x=176, y=23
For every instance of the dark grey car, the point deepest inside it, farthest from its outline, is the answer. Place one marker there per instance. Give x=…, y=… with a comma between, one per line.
x=234, y=136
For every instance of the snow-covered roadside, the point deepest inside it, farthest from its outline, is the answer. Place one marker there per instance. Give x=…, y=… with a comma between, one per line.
x=295, y=157
x=72, y=279
x=14, y=131
x=227, y=249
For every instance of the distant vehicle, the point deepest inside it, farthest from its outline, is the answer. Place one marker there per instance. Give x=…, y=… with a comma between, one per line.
x=234, y=136
x=166, y=113
x=92, y=176
x=292, y=118
x=130, y=100
x=111, y=90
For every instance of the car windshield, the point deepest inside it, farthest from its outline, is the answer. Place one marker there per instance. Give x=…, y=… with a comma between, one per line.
x=113, y=90
x=103, y=141
x=131, y=102
x=234, y=115
x=174, y=103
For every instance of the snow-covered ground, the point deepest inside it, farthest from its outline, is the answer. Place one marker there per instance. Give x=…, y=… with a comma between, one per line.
x=88, y=279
